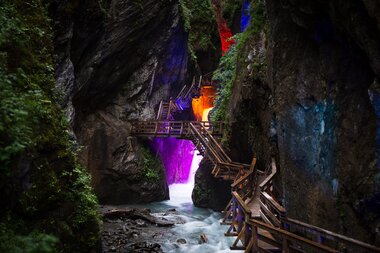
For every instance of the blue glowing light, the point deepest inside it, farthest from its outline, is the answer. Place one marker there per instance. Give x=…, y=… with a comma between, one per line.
x=310, y=137
x=175, y=59
x=183, y=104
x=245, y=15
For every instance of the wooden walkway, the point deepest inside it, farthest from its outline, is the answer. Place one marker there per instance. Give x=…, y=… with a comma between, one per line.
x=254, y=216
x=177, y=129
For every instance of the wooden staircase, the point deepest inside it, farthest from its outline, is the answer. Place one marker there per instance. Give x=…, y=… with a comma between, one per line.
x=166, y=110
x=254, y=215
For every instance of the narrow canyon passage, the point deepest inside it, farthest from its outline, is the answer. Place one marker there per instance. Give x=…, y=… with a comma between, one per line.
x=128, y=126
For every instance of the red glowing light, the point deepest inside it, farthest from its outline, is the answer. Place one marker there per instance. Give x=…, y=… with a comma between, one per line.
x=224, y=32
x=225, y=35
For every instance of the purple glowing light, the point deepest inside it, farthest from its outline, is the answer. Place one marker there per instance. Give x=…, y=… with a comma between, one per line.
x=177, y=156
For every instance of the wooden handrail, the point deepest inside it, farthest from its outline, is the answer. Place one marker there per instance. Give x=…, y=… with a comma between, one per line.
x=241, y=203
x=232, y=165
x=287, y=222
x=285, y=235
x=327, y=233
x=274, y=203
x=242, y=179
x=214, y=142
x=245, y=178
x=290, y=236
x=182, y=91
x=271, y=176
x=204, y=142
x=159, y=110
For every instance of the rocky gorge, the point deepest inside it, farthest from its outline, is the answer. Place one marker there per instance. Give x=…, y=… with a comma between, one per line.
x=298, y=82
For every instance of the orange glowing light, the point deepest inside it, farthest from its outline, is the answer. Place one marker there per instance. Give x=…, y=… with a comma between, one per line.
x=205, y=113
x=204, y=103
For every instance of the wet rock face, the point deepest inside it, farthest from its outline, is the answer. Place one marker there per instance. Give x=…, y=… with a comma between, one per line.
x=210, y=192
x=116, y=62
x=311, y=108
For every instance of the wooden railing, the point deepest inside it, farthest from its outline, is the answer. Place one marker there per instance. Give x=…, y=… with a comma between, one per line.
x=319, y=235
x=270, y=210
x=223, y=168
x=245, y=184
x=275, y=232
x=179, y=129
x=166, y=110
x=309, y=238
x=261, y=240
x=256, y=236
x=186, y=91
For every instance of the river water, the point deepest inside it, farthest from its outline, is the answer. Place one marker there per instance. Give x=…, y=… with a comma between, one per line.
x=197, y=221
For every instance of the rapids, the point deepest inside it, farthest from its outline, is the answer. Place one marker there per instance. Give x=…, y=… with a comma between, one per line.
x=198, y=220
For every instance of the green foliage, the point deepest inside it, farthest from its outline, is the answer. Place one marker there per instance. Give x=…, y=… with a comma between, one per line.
x=35, y=242
x=200, y=23
x=151, y=166
x=226, y=72
x=225, y=75
x=230, y=9
x=59, y=200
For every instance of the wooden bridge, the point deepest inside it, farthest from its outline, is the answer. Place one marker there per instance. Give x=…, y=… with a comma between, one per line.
x=254, y=215
x=177, y=129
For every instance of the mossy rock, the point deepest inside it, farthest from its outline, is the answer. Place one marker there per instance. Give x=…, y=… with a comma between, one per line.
x=47, y=202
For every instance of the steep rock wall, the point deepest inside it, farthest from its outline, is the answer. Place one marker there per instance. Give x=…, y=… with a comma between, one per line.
x=47, y=204
x=117, y=61
x=303, y=94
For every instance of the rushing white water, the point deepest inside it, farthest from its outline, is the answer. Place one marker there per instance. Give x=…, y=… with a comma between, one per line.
x=198, y=221
x=181, y=193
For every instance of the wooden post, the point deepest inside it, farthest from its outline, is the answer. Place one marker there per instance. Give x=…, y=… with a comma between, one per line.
x=169, y=109
x=255, y=239
x=159, y=111
x=285, y=245
x=156, y=129
x=181, y=131
x=247, y=234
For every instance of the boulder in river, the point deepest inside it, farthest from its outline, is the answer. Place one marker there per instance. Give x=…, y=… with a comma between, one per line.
x=181, y=241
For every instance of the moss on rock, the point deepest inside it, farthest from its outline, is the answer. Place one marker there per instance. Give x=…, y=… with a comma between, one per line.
x=200, y=23
x=46, y=195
